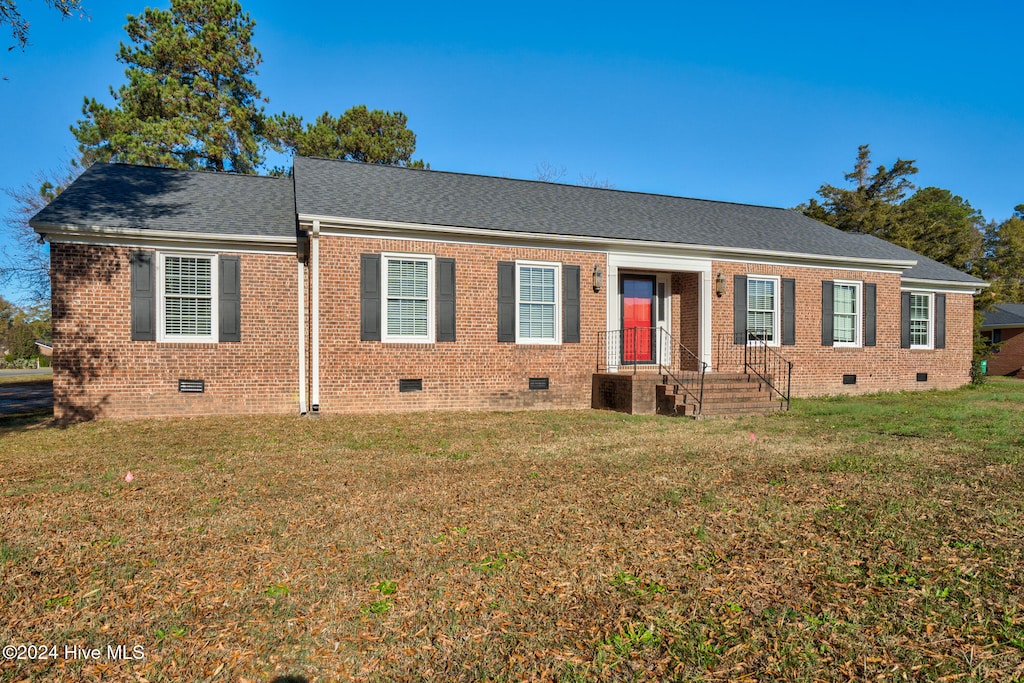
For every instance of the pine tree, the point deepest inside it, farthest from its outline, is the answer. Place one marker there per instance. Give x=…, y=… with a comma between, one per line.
x=360, y=134
x=190, y=100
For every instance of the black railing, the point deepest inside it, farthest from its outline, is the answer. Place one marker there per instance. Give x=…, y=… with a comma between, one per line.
x=768, y=364
x=653, y=348
x=691, y=383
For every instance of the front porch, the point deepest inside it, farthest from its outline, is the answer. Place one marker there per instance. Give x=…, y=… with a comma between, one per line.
x=657, y=355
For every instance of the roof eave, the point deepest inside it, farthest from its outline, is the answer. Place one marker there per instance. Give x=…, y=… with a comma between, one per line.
x=398, y=228
x=66, y=232
x=957, y=285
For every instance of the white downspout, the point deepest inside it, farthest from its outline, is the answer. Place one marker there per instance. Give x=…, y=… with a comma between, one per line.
x=314, y=254
x=302, y=333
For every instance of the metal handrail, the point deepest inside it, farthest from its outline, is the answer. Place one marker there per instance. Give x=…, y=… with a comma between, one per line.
x=697, y=392
x=612, y=345
x=611, y=348
x=768, y=364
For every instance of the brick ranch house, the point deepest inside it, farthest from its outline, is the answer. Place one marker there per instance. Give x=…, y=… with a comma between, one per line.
x=354, y=288
x=1004, y=325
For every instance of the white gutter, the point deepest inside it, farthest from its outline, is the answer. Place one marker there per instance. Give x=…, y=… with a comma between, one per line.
x=953, y=285
x=59, y=232
x=302, y=335
x=333, y=223
x=314, y=257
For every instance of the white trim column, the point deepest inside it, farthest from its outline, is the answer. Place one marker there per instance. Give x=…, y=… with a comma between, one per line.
x=314, y=257
x=659, y=263
x=303, y=405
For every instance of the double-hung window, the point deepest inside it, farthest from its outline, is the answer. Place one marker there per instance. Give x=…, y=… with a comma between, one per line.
x=763, y=308
x=846, y=313
x=187, y=301
x=921, y=321
x=408, y=300
x=538, y=300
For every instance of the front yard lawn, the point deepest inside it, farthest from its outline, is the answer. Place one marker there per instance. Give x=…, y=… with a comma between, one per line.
x=854, y=538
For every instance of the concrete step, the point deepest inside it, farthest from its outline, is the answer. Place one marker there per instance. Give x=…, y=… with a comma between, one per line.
x=720, y=394
x=718, y=403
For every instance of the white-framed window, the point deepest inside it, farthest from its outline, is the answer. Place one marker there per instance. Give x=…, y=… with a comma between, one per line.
x=763, y=308
x=186, y=297
x=846, y=313
x=538, y=302
x=408, y=301
x=922, y=321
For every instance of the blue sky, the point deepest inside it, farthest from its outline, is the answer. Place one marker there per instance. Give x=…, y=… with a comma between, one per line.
x=750, y=102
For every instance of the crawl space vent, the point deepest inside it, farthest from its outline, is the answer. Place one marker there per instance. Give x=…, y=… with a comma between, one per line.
x=538, y=383
x=405, y=385
x=191, y=386
x=849, y=379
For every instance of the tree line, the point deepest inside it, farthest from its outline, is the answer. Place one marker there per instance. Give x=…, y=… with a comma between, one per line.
x=931, y=221
x=189, y=101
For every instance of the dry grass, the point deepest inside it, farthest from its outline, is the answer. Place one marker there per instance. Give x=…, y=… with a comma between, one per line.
x=875, y=538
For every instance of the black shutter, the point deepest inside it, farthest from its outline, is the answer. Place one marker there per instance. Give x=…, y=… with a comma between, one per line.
x=229, y=299
x=788, y=311
x=827, y=309
x=445, y=299
x=869, y=313
x=904, y=320
x=940, y=321
x=506, y=301
x=143, y=295
x=369, y=297
x=571, y=304
x=739, y=309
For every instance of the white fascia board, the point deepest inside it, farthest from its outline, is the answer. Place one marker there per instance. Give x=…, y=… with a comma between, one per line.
x=162, y=239
x=946, y=286
x=336, y=225
x=985, y=328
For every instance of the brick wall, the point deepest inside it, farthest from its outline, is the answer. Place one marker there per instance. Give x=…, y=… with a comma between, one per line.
x=1010, y=358
x=100, y=372
x=885, y=367
x=473, y=372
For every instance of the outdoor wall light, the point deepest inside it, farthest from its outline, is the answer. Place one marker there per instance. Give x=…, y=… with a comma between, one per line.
x=598, y=277
x=720, y=284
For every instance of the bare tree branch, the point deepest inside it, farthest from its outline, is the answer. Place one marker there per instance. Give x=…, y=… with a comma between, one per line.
x=27, y=262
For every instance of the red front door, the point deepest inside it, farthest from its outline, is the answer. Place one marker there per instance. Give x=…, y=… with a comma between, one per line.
x=637, y=319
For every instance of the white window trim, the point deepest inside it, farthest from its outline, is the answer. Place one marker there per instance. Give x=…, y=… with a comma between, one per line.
x=776, y=311
x=431, y=299
x=161, y=300
x=558, y=302
x=858, y=314
x=931, y=323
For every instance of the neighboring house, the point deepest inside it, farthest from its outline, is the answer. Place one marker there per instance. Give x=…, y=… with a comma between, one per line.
x=1004, y=325
x=360, y=288
x=44, y=348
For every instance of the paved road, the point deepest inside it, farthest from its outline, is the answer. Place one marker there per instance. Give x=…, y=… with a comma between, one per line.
x=26, y=397
x=11, y=373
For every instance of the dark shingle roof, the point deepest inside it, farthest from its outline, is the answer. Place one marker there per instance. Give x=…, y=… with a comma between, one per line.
x=926, y=268
x=363, y=191
x=1004, y=315
x=145, y=198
